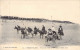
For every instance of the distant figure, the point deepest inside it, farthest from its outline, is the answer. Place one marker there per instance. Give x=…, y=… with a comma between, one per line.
x=43, y=28
x=35, y=30
x=60, y=31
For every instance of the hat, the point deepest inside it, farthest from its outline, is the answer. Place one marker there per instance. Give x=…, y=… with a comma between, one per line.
x=60, y=26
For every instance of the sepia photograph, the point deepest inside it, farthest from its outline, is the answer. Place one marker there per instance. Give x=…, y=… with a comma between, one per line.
x=39, y=24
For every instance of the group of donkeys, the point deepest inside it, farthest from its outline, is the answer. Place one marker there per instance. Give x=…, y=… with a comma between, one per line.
x=28, y=31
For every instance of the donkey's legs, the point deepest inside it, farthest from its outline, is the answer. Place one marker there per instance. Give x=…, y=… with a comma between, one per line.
x=53, y=40
x=40, y=35
x=32, y=35
x=17, y=31
x=60, y=37
x=21, y=36
x=35, y=34
x=47, y=39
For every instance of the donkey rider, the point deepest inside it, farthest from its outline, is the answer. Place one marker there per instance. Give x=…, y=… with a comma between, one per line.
x=43, y=29
x=53, y=30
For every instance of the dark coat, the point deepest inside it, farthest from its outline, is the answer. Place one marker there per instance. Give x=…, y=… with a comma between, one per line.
x=35, y=30
x=60, y=31
x=43, y=28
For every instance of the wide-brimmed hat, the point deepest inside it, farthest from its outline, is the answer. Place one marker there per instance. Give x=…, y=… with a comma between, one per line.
x=60, y=26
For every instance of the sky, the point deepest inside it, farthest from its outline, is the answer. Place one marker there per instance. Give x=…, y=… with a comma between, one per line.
x=65, y=10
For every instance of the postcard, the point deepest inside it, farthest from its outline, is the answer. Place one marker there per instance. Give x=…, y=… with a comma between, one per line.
x=39, y=25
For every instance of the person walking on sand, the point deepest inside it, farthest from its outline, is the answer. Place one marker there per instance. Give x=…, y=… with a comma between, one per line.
x=60, y=31
x=35, y=30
